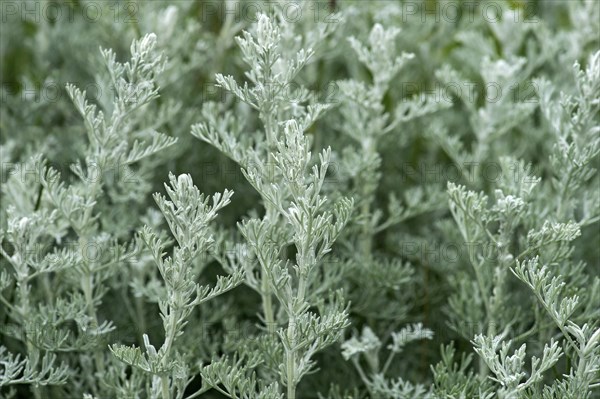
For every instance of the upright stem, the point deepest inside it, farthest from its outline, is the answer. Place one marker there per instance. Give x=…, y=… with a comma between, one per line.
x=34, y=354
x=366, y=238
x=164, y=382
x=291, y=360
x=267, y=302
x=166, y=349
x=291, y=353
x=169, y=336
x=483, y=368
x=87, y=288
x=266, y=295
x=46, y=287
x=32, y=351
x=87, y=281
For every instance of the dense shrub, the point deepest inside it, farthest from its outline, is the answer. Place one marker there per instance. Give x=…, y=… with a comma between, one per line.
x=336, y=199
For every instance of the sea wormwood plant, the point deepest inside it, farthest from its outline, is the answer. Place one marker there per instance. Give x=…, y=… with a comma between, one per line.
x=396, y=191
x=277, y=165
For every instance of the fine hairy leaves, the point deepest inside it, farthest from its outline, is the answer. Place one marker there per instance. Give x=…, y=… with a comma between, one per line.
x=416, y=210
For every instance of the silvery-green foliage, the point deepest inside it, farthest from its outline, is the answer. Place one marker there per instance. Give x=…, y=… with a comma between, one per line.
x=455, y=379
x=277, y=164
x=542, y=259
x=188, y=214
x=38, y=257
x=369, y=346
x=365, y=120
x=508, y=369
x=415, y=214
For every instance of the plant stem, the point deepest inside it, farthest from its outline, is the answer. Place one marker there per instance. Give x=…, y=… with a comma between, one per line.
x=361, y=373
x=291, y=333
x=32, y=352
x=87, y=284
x=267, y=302
x=169, y=336
x=483, y=368
x=291, y=360
x=170, y=333
x=369, y=147
x=271, y=215
x=164, y=382
x=46, y=286
x=87, y=280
